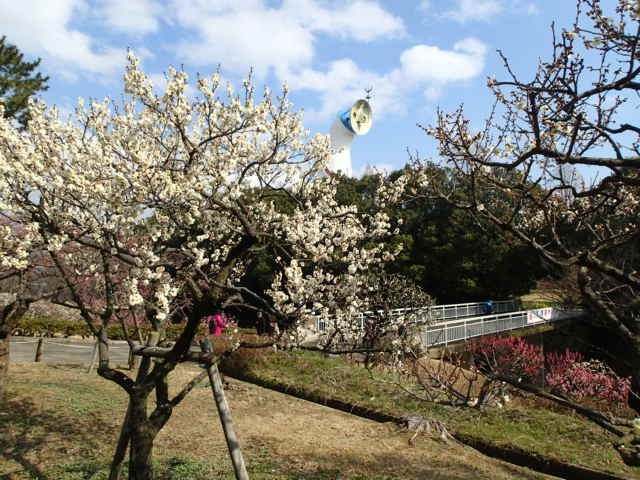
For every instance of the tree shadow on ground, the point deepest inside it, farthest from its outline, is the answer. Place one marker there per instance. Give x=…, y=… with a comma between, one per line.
x=395, y=466
x=454, y=462
x=32, y=435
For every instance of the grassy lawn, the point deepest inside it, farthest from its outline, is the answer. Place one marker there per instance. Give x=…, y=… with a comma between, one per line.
x=59, y=423
x=563, y=436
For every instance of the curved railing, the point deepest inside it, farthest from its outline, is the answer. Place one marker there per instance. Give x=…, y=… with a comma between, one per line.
x=439, y=312
x=452, y=331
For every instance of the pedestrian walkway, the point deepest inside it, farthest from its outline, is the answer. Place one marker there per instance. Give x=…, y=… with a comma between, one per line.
x=459, y=330
x=453, y=323
x=440, y=312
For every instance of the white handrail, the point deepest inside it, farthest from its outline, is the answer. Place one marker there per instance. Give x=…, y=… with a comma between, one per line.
x=452, y=331
x=455, y=330
x=444, y=312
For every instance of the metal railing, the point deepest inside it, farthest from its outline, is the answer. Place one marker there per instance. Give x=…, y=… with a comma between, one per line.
x=461, y=310
x=322, y=325
x=435, y=312
x=444, y=333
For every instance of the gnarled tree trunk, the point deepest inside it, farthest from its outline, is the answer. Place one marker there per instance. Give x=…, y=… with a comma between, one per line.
x=137, y=434
x=142, y=435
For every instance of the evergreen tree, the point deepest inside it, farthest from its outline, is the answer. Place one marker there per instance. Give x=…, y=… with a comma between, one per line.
x=18, y=81
x=450, y=255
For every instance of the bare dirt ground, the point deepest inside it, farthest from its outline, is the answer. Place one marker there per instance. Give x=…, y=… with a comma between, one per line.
x=60, y=415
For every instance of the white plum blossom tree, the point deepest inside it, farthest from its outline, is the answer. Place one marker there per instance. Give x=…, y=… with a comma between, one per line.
x=149, y=212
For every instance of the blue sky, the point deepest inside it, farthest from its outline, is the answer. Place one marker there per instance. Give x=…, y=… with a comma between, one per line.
x=417, y=55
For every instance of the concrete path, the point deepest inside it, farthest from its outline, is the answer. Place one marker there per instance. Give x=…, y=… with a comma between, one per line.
x=23, y=349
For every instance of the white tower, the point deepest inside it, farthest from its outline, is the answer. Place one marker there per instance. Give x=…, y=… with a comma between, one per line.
x=356, y=120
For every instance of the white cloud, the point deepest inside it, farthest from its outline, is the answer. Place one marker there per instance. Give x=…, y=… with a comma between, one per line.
x=532, y=9
x=424, y=5
x=40, y=28
x=464, y=11
x=425, y=68
x=474, y=10
x=248, y=33
x=361, y=20
x=424, y=63
x=433, y=93
x=261, y=39
x=139, y=17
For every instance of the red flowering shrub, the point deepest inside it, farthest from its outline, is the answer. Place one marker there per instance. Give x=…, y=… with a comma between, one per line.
x=565, y=373
x=578, y=379
x=509, y=356
x=558, y=367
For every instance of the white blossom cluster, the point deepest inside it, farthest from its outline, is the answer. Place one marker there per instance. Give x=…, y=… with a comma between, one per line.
x=136, y=202
x=338, y=254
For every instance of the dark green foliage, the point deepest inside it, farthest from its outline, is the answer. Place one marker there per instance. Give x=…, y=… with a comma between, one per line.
x=18, y=81
x=258, y=278
x=456, y=260
x=447, y=253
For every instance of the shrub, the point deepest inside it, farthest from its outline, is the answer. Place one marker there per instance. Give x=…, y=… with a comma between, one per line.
x=509, y=356
x=58, y=327
x=50, y=327
x=570, y=375
x=566, y=373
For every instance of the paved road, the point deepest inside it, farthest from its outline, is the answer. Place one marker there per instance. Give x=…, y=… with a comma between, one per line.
x=23, y=350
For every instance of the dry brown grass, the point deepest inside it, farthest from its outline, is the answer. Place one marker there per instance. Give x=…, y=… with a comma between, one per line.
x=59, y=415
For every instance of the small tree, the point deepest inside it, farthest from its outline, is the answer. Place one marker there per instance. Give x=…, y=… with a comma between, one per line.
x=18, y=82
x=566, y=374
x=493, y=367
x=151, y=212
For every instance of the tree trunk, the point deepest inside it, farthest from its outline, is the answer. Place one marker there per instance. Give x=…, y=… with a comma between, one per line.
x=5, y=338
x=142, y=435
x=125, y=432
x=141, y=449
x=121, y=448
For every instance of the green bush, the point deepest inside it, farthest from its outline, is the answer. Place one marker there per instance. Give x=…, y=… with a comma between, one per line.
x=50, y=327
x=59, y=327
